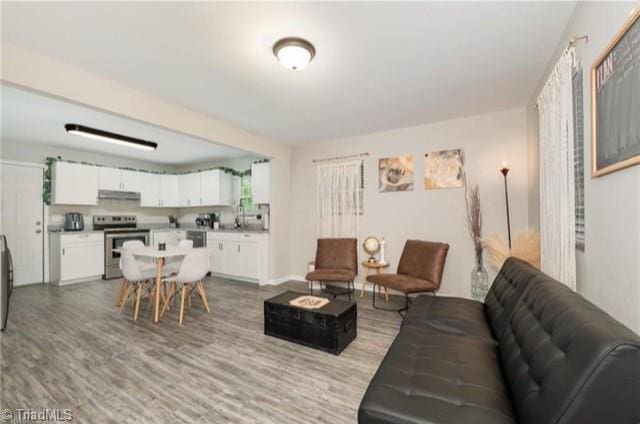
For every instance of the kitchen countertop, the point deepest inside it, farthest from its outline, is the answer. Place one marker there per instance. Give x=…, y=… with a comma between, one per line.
x=211, y=230
x=61, y=231
x=58, y=229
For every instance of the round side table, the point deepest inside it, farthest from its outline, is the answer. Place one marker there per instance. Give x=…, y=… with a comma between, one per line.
x=379, y=268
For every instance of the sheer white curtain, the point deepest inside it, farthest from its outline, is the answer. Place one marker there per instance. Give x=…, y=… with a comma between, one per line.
x=557, y=214
x=339, y=198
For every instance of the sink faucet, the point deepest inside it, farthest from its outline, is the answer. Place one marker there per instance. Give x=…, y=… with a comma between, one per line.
x=240, y=210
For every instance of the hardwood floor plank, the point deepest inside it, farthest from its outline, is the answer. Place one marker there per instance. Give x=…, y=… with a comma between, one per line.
x=67, y=347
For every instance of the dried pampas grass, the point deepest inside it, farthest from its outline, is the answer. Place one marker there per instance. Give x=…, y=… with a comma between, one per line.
x=526, y=246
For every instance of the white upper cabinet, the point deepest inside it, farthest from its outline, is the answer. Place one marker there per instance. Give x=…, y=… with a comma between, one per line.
x=169, y=189
x=150, y=190
x=75, y=184
x=110, y=178
x=260, y=182
x=190, y=194
x=132, y=181
x=215, y=188
x=119, y=180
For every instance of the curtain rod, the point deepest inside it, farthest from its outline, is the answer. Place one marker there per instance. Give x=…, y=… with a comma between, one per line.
x=572, y=43
x=575, y=40
x=339, y=158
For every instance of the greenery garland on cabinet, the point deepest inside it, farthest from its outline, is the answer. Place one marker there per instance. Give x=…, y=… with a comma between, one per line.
x=49, y=161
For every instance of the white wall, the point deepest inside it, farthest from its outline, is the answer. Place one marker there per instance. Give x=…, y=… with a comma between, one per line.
x=436, y=215
x=609, y=269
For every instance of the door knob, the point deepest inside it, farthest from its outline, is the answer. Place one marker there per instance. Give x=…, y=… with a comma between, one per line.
x=38, y=231
x=37, y=222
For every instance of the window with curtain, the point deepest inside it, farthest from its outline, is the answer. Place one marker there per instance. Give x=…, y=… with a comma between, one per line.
x=340, y=188
x=578, y=154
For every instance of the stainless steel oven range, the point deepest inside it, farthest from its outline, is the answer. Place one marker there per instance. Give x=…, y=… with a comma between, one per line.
x=117, y=230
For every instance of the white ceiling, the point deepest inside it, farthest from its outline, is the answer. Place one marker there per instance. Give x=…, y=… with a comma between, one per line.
x=35, y=118
x=378, y=65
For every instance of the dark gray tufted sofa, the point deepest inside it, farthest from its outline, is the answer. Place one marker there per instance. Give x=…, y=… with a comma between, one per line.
x=535, y=352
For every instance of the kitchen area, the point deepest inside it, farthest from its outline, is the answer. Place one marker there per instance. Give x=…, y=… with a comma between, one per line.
x=220, y=208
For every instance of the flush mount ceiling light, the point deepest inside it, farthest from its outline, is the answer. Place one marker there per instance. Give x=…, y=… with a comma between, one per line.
x=294, y=53
x=109, y=137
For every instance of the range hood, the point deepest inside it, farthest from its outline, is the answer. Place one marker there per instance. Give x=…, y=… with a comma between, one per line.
x=118, y=195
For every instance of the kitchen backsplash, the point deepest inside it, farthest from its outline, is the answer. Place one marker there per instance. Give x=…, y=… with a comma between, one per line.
x=144, y=215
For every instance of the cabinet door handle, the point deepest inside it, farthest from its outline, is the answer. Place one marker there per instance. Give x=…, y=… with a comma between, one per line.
x=238, y=248
x=63, y=251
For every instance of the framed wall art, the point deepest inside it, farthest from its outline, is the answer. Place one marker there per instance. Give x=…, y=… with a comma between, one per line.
x=444, y=169
x=615, y=102
x=395, y=174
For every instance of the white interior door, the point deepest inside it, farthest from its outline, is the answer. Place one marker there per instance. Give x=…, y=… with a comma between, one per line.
x=22, y=220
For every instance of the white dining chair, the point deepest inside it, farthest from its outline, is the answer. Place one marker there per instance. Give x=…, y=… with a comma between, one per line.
x=193, y=270
x=136, y=274
x=172, y=265
x=133, y=244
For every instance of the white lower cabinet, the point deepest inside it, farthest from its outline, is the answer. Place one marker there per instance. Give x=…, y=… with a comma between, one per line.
x=243, y=256
x=76, y=257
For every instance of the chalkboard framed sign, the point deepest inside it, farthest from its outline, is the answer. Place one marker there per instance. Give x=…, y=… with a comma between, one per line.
x=615, y=102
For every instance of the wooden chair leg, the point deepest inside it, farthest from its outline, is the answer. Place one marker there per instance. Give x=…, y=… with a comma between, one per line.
x=189, y=296
x=125, y=296
x=386, y=294
x=203, y=295
x=168, y=299
x=137, y=307
x=364, y=282
x=184, y=293
x=121, y=292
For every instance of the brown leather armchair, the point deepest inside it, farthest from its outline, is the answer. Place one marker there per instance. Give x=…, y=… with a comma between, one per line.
x=336, y=262
x=420, y=270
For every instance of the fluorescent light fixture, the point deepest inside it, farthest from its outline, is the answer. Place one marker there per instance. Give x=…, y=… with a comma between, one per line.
x=294, y=53
x=109, y=137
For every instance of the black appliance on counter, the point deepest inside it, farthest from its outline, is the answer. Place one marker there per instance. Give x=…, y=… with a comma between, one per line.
x=206, y=220
x=6, y=281
x=118, y=229
x=199, y=237
x=73, y=221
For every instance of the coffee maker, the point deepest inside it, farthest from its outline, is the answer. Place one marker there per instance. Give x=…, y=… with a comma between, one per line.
x=206, y=220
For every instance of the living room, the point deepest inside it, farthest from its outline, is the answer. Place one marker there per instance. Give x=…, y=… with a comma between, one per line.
x=407, y=158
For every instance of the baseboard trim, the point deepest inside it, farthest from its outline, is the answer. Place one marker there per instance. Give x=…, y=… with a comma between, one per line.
x=287, y=278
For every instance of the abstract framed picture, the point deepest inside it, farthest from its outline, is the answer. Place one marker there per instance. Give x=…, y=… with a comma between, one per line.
x=444, y=169
x=395, y=174
x=615, y=102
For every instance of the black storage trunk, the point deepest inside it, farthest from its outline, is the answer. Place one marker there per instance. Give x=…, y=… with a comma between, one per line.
x=330, y=328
